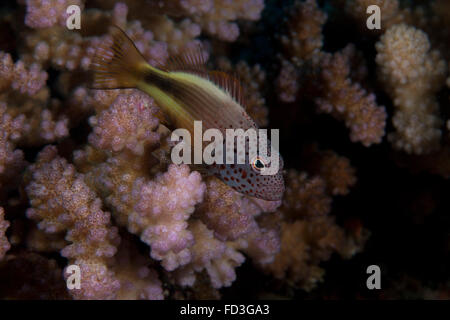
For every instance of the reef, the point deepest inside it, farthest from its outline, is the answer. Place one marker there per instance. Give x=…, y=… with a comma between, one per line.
x=84, y=176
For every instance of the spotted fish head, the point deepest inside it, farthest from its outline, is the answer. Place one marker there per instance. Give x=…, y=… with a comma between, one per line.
x=257, y=177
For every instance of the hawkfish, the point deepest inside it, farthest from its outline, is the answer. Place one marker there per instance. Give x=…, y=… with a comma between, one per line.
x=186, y=92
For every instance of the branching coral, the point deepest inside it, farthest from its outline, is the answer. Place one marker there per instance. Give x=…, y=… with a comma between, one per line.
x=306, y=196
x=302, y=43
x=10, y=130
x=17, y=76
x=412, y=73
x=213, y=255
x=47, y=13
x=62, y=202
x=161, y=210
x=335, y=89
x=304, y=39
x=174, y=232
x=287, y=82
x=127, y=124
x=336, y=170
x=178, y=36
x=40, y=241
x=216, y=17
x=295, y=262
x=4, y=244
x=23, y=92
x=348, y=101
x=232, y=218
x=138, y=280
x=218, y=20
x=308, y=234
x=68, y=50
x=157, y=209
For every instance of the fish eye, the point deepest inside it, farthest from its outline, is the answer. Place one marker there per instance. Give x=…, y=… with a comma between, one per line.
x=258, y=164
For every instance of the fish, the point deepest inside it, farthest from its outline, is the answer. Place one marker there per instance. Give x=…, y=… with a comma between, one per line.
x=186, y=91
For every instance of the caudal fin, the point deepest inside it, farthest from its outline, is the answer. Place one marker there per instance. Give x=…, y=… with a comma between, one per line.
x=117, y=64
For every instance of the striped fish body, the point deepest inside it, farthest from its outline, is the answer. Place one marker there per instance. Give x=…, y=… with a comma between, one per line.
x=186, y=92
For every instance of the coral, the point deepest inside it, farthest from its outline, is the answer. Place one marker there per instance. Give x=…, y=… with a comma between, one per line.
x=348, y=101
x=304, y=39
x=336, y=87
x=11, y=160
x=306, y=243
x=177, y=36
x=40, y=241
x=287, y=82
x=68, y=50
x=294, y=262
x=305, y=196
x=47, y=13
x=128, y=123
x=4, y=244
x=86, y=178
x=138, y=281
x=412, y=73
x=18, y=76
x=262, y=244
x=161, y=210
x=210, y=254
x=62, y=202
x=218, y=20
x=157, y=209
x=309, y=235
x=216, y=17
x=61, y=48
x=232, y=217
x=335, y=170
x=23, y=93
x=93, y=240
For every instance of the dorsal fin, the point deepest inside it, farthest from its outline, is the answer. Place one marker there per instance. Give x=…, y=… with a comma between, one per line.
x=229, y=83
x=192, y=61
